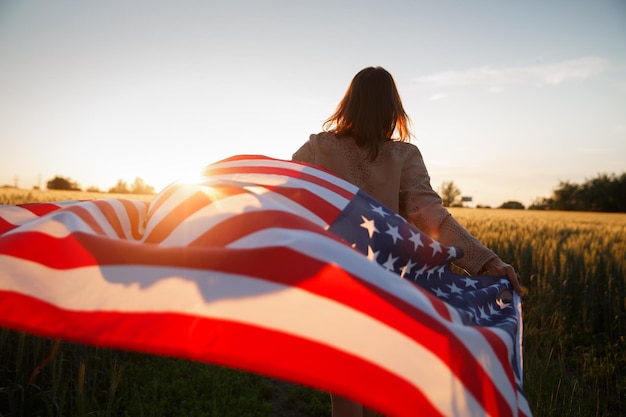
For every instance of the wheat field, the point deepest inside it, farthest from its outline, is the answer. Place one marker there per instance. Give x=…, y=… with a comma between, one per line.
x=20, y=196
x=573, y=266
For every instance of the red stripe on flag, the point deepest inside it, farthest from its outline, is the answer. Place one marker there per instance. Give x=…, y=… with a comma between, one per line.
x=40, y=209
x=5, y=226
x=60, y=253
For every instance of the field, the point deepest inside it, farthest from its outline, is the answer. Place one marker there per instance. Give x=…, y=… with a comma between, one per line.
x=19, y=196
x=572, y=264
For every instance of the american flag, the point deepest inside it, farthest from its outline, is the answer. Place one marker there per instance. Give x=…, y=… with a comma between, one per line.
x=272, y=267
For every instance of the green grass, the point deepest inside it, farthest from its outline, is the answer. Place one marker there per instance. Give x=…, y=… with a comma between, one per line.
x=573, y=266
x=83, y=380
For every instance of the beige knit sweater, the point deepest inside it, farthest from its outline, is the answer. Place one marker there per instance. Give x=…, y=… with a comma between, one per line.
x=397, y=178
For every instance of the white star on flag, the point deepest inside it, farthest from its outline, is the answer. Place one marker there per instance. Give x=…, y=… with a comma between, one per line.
x=379, y=209
x=393, y=232
x=389, y=262
x=369, y=225
x=470, y=282
x=416, y=239
x=436, y=247
x=454, y=289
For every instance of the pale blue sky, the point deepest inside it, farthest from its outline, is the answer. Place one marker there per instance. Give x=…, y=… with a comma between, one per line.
x=507, y=99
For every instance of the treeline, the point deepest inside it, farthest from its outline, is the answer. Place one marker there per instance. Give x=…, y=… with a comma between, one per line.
x=137, y=187
x=605, y=193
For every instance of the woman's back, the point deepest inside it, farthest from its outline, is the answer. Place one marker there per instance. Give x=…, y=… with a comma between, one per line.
x=381, y=178
x=342, y=156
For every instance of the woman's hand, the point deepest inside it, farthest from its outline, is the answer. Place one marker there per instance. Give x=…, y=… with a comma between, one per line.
x=497, y=267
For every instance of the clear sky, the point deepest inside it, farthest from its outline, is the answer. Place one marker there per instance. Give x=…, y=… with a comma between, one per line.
x=507, y=99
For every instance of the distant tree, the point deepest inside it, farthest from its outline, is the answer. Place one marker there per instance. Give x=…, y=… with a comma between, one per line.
x=120, y=188
x=542, y=203
x=449, y=194
x=93, y=189
x=605, y=193
x=140, y=187
x=61, y=183
x=567, y=196
x=512, y=205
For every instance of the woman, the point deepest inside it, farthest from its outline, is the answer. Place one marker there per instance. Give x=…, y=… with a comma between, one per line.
x=358, y=145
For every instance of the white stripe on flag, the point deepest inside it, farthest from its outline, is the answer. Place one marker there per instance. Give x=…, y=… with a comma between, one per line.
x=17, y=215
x=57, y=224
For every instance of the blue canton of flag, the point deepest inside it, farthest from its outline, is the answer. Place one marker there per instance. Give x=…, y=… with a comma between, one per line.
x=387, y=238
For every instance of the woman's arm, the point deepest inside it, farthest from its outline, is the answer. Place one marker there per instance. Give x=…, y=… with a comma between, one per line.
x=423, y=207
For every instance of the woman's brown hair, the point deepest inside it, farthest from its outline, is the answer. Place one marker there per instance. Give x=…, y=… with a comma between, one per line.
x=370, y=111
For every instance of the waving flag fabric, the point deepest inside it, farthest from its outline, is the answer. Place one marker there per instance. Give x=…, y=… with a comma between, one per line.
x=272, y=267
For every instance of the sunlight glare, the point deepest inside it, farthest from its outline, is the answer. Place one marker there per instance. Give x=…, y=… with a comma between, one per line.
x=190, y=175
